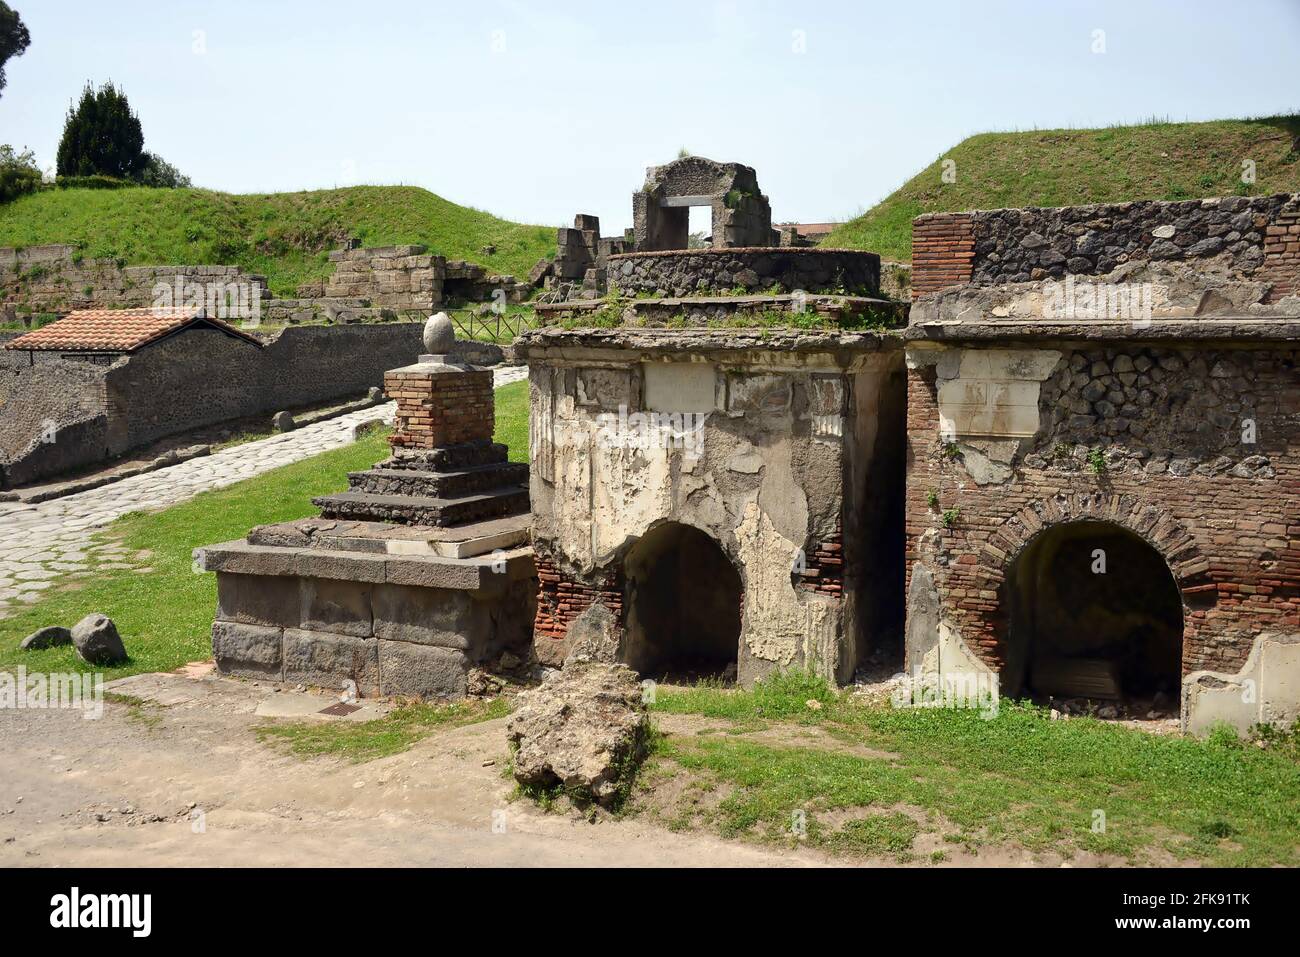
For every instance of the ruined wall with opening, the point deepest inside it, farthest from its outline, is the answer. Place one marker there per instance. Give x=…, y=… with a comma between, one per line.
x=775, y=469
x=996, y=455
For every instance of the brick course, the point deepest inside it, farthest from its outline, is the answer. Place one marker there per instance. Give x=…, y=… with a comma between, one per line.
x=439, y=408
x=943, y=251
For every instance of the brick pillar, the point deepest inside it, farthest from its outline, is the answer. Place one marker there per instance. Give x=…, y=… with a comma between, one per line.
x=440, y=404
x=1282, y=256
x=943, y=251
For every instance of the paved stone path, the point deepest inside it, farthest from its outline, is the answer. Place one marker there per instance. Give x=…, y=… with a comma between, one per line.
x=51, y=541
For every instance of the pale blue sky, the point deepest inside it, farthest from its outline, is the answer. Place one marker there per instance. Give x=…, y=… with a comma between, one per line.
x=537, y=110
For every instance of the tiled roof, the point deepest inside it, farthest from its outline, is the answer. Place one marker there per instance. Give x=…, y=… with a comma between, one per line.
x=116, y=330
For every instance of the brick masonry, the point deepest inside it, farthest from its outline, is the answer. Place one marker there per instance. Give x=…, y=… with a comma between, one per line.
x=824, y=567
x=438, y=407
x=1282, y=256
x=943, y=251
x=561, y=599
x=1232, y=542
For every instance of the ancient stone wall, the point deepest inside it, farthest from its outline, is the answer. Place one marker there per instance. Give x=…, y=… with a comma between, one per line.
x=764, y=449
x=1244, y=237
x=57, y=279
x=687, y=272
x=196, y=378
x=1204, y=470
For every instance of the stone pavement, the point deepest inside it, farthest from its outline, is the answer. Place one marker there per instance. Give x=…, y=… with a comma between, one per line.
x=44, y=543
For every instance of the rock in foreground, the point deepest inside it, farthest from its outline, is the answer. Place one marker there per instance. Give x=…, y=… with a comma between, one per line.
x=584, y=728
x=49, y=637
x=97, y=640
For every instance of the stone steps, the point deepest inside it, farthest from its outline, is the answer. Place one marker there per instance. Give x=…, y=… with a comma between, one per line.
x=448, y=457
x=424, y=510
x=441, y=484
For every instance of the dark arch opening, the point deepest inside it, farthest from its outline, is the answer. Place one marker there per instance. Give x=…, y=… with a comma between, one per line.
x=683, y=606
x=1094, y=613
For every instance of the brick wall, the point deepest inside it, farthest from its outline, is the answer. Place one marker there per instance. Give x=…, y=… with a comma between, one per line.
x=561, y=599
x=1282, y=256
x=943, y=251
x=1232, y=543
x=824, y=567
x=440, y=407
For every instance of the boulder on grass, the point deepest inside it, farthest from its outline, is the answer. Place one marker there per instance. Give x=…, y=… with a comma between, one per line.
x=97, y=640
x=50, y=637
x=583, y=728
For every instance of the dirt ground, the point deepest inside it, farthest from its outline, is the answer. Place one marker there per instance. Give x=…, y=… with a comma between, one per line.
x=184, y=781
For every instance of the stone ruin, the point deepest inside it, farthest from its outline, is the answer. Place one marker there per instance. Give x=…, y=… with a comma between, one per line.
x=1104, y=384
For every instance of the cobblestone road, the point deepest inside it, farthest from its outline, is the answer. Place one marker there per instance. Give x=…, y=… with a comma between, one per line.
x=45, y=543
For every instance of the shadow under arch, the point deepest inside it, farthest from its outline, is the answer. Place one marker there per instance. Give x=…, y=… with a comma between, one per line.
x=682, y=605
x=1093, y=610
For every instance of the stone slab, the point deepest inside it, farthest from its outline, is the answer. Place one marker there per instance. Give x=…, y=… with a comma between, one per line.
x=421, y=671
x=328, y=660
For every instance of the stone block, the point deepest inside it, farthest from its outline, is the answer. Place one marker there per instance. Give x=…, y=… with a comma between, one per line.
x=429, y=616
x=328, y=660
x=604, y=389
x=338, y=607
x=258, y=600
x=247, y=651
x=421, y=671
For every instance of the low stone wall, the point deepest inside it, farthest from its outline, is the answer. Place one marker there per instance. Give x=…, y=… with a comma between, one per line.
x=411, y=279
x=759, y=268
x=1245, y=238
x=58, y=279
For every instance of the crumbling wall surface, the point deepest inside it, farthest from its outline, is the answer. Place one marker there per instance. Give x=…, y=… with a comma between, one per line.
x=700, y=272
x=761, y=470
x=1193, y=448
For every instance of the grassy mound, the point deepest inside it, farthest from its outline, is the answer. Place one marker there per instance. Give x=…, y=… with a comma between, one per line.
x=1069, y=167
x=285, y=236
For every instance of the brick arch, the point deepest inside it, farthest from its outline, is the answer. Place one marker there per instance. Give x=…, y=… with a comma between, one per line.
x=1153, y=524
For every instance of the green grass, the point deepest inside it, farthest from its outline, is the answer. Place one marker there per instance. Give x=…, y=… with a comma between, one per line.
x=1019, y=778
x=285, y=236
x=1068, y=167
x=367, y=740
x=512, y=419
x=165, y=616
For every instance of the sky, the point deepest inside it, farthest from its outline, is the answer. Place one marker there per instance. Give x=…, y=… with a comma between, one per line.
x=538, y=110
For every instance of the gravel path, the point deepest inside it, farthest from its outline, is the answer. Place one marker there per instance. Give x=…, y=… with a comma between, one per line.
x=41, y=544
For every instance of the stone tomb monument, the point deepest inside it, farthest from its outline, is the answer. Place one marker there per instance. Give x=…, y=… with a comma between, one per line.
x=417, y=574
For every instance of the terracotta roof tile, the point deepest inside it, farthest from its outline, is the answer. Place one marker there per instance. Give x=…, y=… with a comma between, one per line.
x=116, y=330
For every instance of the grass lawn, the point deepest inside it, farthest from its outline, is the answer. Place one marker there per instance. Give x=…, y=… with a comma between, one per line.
x=165, y=616
x=885, y=776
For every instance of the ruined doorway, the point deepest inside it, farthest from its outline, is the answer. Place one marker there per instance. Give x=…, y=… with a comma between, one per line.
x=1094, y=613
x=683, y=606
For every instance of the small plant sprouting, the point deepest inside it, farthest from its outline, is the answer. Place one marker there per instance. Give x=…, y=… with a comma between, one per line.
x=1097, y=461
x=932, y=498
x=951, y=450
x=950, y=517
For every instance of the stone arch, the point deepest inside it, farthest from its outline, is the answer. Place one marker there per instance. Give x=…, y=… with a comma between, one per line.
x=1001, y=564
x=682, y=604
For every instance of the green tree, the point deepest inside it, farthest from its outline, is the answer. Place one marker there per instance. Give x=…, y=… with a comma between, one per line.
x=14, y=38
x=102, y=136
x=158, y=172
x=19, y=173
